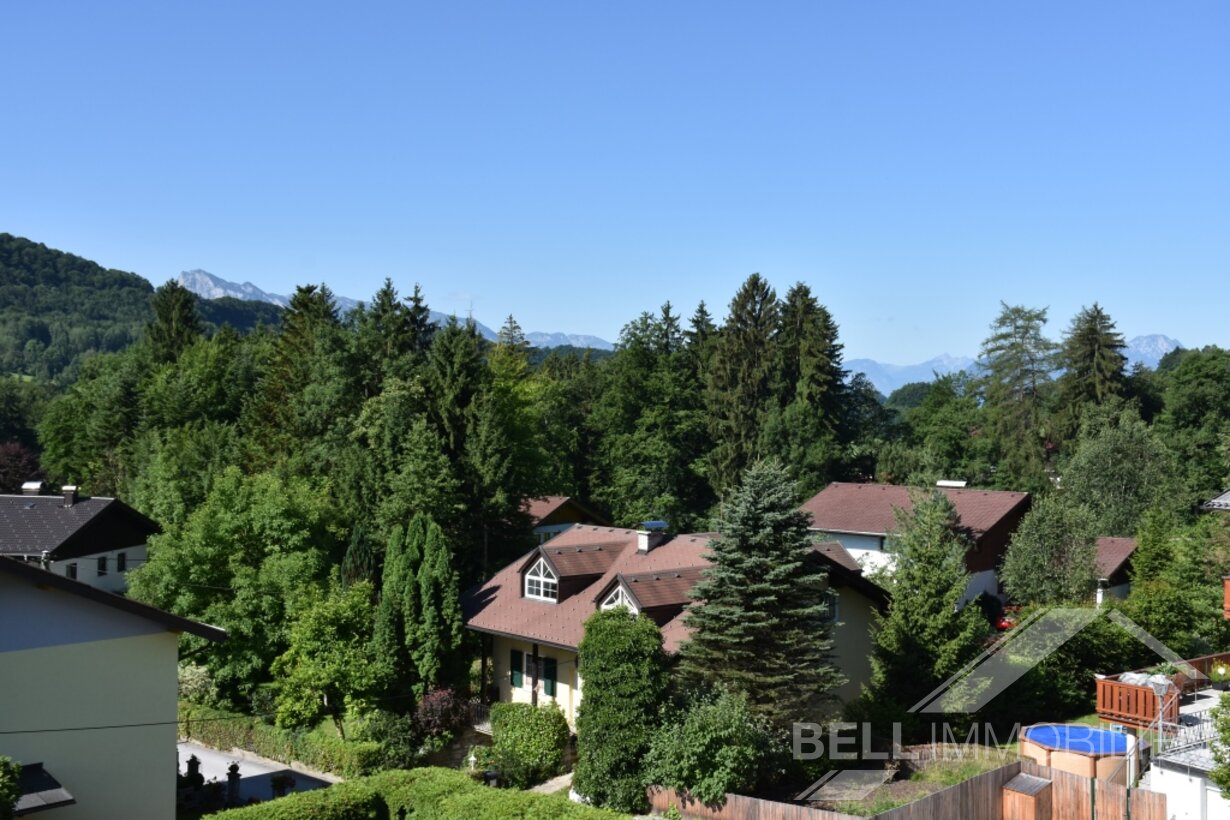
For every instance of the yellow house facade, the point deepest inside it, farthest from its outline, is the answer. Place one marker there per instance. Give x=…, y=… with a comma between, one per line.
x=532, y=613
x=89, y=683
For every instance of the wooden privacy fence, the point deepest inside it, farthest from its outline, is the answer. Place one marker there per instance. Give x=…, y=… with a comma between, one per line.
x=1138, y=705
x=1073, y=797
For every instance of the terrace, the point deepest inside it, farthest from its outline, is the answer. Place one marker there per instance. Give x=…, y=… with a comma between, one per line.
x=1173, y=711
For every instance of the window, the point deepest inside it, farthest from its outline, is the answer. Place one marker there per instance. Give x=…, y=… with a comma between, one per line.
x=102, y=565
x=121, y=562
x=516, y=665
x=619, y=597
x=832, y=612
x=70, y=571
x=541, y=583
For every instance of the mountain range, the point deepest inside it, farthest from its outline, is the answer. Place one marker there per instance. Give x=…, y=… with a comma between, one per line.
x=1147, y=350
x=205, y=284
x=886, y=377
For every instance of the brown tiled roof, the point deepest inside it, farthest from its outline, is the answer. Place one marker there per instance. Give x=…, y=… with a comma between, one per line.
x=498, y=606
x=674, y=633
x=1113, y=553
x=839, y=555
x=662, y=577
x=539, y=508
x=869, y=508
x=584, y=559
x=669, y=588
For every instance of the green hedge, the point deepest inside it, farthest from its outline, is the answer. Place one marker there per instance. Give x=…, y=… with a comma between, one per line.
x=528, y=742
x=441, y=794
x=224, y=730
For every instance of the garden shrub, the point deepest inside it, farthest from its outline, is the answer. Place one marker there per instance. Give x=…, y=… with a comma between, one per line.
x=625, y=681
x=528, y=742
x=353, y=800
x=440, y=714
x=718, y=747
x=399, y=736
x=442, y=794
x=10, y=787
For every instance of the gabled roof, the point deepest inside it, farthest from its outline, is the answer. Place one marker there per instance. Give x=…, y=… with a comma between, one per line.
x=655, y=589
x=839, y=555
x=869, y=508
x=1112, y=554
x=582, y=560
x=663, y=577
x=39, y=577
x=539, y=509
x=32, y=524
x=498, y=607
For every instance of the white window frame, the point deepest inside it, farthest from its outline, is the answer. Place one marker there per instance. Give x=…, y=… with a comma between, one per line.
x=619, y=597
x=541, y=582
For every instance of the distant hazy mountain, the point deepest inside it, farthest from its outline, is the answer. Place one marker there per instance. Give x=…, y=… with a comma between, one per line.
x=205, y=284
x=888, y=377
x=570, y=339
x=1150, y=349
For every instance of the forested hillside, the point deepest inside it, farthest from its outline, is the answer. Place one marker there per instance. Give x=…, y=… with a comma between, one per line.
x=57, y=308
x=353, y=475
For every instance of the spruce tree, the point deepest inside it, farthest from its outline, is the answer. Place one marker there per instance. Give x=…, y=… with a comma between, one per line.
x=804, y=425
x=741, y=381
x=1093, y=366
x=176, y=322
x=926, y=634
x=421, y=328
x=759, y=624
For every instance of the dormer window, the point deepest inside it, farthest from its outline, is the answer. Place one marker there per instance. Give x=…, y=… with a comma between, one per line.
x=541, y=583
x=619, y=597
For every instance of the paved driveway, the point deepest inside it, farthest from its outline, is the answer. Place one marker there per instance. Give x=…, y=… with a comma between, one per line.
x=254, y=775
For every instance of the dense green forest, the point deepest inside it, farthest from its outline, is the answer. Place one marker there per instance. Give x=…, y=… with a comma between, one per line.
x=350, y=475
x=56, y=309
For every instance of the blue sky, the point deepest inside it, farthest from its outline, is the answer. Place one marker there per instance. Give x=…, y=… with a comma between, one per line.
x=576, y=163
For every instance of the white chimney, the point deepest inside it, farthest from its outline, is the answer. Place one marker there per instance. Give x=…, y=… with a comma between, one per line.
x=33, y=488
x=950, y=484
x=650, y=535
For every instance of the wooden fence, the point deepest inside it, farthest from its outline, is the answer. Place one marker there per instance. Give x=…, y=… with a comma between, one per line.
x=980, y=798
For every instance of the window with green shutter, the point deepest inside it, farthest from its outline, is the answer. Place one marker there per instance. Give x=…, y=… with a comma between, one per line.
x=516, y=665
x=548, y=676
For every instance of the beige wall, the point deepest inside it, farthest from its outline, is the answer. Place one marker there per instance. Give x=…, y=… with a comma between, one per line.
x=114, y=773
x=852, y=641
x=87, y=567
x=567, y=689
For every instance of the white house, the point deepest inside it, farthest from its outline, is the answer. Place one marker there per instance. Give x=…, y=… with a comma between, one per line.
x=88, y=692
x=862, y=517
x=92, y=540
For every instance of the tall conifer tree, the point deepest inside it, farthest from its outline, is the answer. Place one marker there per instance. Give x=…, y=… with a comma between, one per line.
x=760, y=624
x=741, y=381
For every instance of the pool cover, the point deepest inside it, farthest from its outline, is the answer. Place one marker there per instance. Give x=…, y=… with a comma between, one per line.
x=1077, y=738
